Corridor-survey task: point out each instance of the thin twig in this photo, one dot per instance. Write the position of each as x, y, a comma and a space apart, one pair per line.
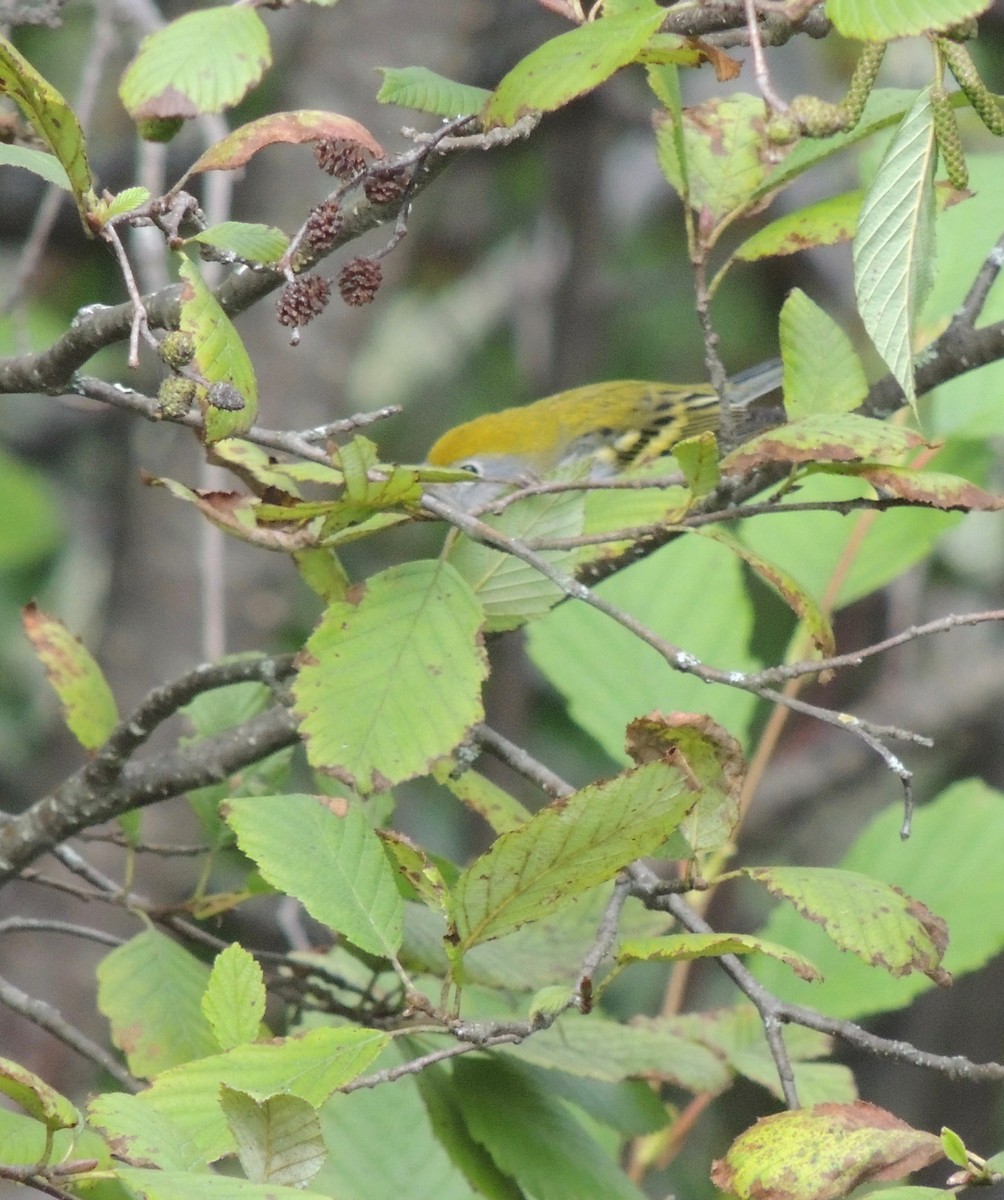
44, 1015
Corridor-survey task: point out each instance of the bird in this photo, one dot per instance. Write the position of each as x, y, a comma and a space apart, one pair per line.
609, 425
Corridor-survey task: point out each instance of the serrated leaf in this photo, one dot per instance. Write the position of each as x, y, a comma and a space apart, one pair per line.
875, 921
824, 223
934, 488
279, 1140
867, 21
311, 1065
567, 848
391, 677
711, 758
220, 355
826, 437
51, 118
150, 989
502, 811
736, 1035
822, 372
684, 946
420, 88
825, 1152
572, 63
190, 1185
234, 999
300, 125
383, 1143
247, 240
442, 1112
345, 881
968, 819
533, 1136
36, 1097
38, 162
202, 62
137, 1133
894, 245
88, 704
595, 1047
724, 144
512, 592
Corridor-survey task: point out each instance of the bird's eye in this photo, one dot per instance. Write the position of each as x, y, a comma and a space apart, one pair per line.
472, 466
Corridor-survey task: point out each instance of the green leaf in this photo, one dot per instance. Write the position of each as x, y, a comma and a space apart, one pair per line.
512, 592
234, 1000
502, 811
697, 458
967, 819
736, 1036
345, 881
36, 1097
878, 922
189, 1185
220, 355
894, 245
38, 162
418, 87
279, 1140
857, 555
824, 223
609, 677
88, 704
362, 1127
802, 604
825, 1152
311, 1065
684, 946
151, 990
954, 1147
822, 372
477, 1165
52, 119
597, 1048
567, 848
392, 676
573, 63
723, 141
870, 22
532, 1136
137, 1132
23, 1140
203, 62
247, 240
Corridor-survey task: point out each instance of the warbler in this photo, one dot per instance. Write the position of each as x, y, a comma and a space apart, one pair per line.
610, 425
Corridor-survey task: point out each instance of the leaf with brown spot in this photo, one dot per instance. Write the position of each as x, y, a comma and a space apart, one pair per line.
935, 489
826, 437
88, 704
300, 125
822, 1153
876, 921
712, 762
